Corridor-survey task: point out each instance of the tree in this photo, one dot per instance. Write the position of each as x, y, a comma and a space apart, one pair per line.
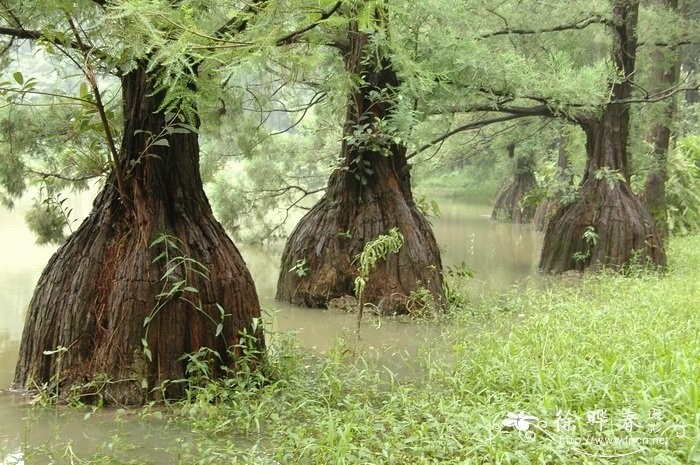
665, 69
150, 275
367, 195
510, 206
607, 225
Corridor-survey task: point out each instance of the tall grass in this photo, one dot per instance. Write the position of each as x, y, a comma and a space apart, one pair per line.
609, 366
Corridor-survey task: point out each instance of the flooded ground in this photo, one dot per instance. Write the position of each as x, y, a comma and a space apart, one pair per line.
500, 254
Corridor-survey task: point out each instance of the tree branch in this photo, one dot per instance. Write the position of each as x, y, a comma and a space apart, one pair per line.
92, 79
467, 127
62, 177
582, 24
656, 97
292, 37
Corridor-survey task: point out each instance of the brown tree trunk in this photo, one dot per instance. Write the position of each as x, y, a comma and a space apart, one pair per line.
97, 291
607, 226
510, 206
368, 195
665, 72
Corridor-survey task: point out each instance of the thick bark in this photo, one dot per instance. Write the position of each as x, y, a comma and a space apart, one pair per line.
665, 72
98, 289
607, 226
368, 195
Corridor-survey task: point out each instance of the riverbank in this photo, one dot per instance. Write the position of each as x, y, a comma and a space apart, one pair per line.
602, 369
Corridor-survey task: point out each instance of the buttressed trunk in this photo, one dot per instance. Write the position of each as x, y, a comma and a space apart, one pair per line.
366, 196
510, 206
607, 226
98, 296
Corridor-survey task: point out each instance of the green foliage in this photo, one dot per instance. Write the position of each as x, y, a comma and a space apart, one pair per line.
50, 215
683, 187
374, 251
609, 176
591, 238
180, 269
301, 268
582, 358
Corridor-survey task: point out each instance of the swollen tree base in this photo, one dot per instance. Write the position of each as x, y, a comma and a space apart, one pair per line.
607, 227
113, 316
319, 258
510, 206
88, 316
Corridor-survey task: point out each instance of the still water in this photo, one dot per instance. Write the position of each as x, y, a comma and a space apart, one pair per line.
500, 254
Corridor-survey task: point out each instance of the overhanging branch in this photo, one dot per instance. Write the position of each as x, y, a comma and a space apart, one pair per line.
467, 127
582, 24
292, 37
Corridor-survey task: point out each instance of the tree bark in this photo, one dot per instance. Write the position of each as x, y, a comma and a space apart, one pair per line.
509, 206
366, 196
607, 226
99, 288
665, 72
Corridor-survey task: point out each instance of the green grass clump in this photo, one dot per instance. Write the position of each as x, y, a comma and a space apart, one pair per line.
609, 365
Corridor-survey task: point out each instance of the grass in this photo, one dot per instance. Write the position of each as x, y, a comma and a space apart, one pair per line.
609, 365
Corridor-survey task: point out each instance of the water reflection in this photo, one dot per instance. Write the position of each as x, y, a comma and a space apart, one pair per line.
501, 254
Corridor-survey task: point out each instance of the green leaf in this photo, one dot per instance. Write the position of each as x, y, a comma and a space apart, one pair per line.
18, 77
219, 329
84, 94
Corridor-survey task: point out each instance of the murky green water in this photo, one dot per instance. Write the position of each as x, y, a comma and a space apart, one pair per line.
500, 254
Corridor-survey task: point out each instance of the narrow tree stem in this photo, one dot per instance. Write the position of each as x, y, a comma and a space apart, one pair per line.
99, 104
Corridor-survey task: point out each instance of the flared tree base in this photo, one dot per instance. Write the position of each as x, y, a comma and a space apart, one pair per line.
510, 206
606, 227
319, 259
97, 327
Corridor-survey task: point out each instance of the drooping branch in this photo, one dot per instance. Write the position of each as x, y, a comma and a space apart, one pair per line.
62, 177
21, 33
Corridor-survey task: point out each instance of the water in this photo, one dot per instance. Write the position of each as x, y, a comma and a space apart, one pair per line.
500, 254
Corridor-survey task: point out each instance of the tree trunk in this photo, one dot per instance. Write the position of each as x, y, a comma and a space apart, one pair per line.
607, 226
368, 195
510, 206
102, 285
665, 72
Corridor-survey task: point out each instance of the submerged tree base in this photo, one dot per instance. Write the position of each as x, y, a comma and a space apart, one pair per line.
510, 206
606, 227
319, 259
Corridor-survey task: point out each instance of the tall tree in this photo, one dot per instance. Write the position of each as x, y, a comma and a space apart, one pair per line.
368, 194
665, 70
607, 225
111, 312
